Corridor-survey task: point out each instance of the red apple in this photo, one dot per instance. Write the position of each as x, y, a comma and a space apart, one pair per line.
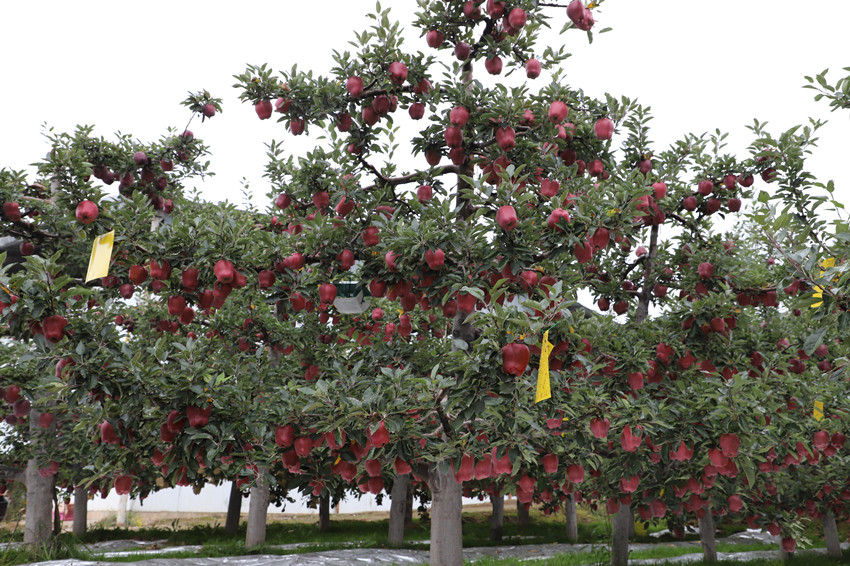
453, 136
327, 293
705, 187
224, 271
459, 116
494, 65
371, 236
424, 193
506, 218
549, 188
54, 327
515, 358
435, 38
263, 108
557, 218
603, 129
517, 18
435, 259
462, 50
689, 203
558, 112
86, 211
354, 86
533, 68
12, 211
416, 110
506, 138
123, 484
398, 72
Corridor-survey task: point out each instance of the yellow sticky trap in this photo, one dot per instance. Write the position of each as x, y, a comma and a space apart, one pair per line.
818, 294
818, 412
543, 391
101, 254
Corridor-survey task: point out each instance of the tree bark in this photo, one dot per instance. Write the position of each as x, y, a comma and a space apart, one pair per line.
830, 535
408, 506
258, 508
121, 516
81, 506
620, 536
324, 512
234, 510
446, 527
398, 510
707, 532
38, 530
497, 517
522, 519
57, 520
571, 519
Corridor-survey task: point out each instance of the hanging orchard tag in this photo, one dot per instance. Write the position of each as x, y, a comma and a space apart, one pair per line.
543, 391
101, 254
818, 412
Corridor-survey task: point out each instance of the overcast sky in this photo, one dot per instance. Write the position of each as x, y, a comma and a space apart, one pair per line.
125, 66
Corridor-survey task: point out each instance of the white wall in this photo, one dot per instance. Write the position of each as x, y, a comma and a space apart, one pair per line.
214, 499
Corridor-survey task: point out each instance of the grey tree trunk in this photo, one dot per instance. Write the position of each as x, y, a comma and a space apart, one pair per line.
620, 536
81, 506
408, 506
707, 532
830, 535
398, 510
571, 519
234, 510
522, 519
785, 556
57, 520
258, 508
497, 518
446, 528
38, 530
324, 512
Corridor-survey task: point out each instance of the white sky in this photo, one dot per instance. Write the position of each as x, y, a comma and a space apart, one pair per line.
125, 66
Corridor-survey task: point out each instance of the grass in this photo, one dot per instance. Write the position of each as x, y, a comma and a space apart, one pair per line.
366, 533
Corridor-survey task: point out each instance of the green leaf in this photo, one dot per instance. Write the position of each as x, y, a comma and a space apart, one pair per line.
814, 340
460, 344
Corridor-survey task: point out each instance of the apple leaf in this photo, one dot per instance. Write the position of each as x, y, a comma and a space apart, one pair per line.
814, 340
460, 344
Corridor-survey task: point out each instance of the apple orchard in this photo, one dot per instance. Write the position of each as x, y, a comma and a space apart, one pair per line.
231, 345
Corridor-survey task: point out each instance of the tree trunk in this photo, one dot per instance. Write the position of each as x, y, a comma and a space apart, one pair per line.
497, 518
620, 536
81, 506
408, 506
522, 519
785, 556
121, 516
830, 535
446, 528
57, 519
324, 512
707, 532
571, 519
39, 523
258, 508
398, 510
234, 510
